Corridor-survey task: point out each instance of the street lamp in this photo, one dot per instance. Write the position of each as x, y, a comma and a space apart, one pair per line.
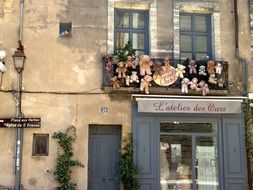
19, 58
19, 62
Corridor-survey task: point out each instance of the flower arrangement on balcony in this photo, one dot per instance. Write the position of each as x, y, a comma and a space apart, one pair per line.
125, 69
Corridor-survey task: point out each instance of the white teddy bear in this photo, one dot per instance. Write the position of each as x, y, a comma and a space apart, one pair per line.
194, 84
212, 79
180, 70
134, 77
184, 85
218, 68
202, 70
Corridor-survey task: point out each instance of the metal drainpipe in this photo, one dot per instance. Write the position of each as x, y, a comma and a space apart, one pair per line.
19, 131
237, 51
21, 18
245, 70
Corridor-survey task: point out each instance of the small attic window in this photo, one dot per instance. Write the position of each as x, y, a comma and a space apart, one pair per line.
65, 29
40, 144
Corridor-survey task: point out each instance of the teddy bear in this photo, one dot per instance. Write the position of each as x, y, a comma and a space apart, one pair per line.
184, 85
202, 70
121, 70
192, 66
134, 77
145, 83
212, 79
127, 80
166, 68
157, 68
218, 68
115, 82
129, 63
145, 65
135, 61
210, 66
166, 61
180, 70
194, 84
108, 59
220, 82
204, 87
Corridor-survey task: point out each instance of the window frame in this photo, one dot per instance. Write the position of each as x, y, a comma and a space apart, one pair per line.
195, 34
34, 149
65, 29
130, 30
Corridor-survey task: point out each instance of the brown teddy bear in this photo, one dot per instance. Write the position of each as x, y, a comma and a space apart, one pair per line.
158, 70
121, 70
145, 64
115, 82
210, 67
145, 83
129, 63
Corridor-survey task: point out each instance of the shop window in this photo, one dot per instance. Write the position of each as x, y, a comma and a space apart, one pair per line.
195, 36
131, 25
40, 144
65, 29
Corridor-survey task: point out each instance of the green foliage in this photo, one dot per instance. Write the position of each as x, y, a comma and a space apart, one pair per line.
64, 164
127, 170
248, 133
249, 125
123, 53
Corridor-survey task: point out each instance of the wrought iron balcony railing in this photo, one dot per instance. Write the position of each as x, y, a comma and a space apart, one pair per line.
165, 76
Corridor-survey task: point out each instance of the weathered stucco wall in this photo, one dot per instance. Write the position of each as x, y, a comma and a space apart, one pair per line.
65, 70
58, 113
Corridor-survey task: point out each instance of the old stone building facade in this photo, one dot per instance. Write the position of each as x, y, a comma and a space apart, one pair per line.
66, 82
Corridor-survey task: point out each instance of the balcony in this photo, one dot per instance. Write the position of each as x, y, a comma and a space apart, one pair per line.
165, 76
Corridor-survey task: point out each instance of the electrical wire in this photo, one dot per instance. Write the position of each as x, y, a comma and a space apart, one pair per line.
89, 92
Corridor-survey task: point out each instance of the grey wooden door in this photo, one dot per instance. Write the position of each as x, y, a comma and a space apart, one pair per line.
104, 149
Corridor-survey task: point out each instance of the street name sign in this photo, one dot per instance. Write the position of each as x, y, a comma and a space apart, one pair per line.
20, 122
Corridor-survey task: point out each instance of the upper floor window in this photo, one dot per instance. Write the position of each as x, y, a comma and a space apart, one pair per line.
195, 36
131, 25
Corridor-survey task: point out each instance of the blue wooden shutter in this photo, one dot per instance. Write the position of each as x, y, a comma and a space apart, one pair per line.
234, 154
144, 149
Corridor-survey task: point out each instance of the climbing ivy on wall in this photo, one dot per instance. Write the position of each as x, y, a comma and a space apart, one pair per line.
249, 115
65, 160
248, 135
127, 170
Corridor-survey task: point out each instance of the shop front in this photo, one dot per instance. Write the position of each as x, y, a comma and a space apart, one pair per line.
190, 143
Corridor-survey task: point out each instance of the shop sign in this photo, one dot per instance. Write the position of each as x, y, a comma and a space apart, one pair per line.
20, 122
211, 106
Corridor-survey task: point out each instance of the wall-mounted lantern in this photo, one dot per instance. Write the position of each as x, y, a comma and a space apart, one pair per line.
19, 58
